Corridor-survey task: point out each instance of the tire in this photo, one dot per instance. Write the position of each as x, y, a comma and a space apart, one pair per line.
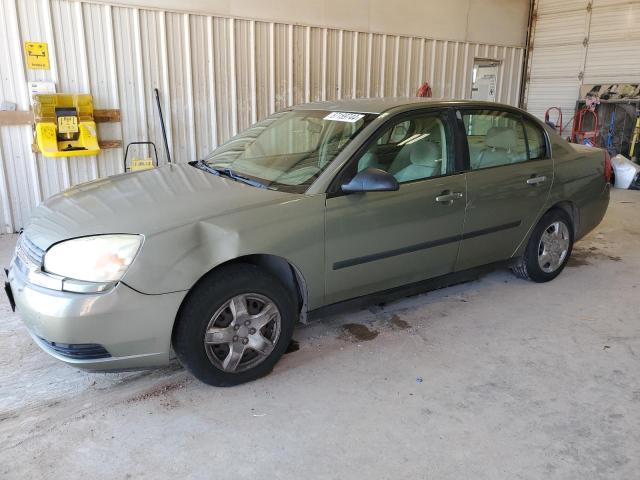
214, 336
534, 264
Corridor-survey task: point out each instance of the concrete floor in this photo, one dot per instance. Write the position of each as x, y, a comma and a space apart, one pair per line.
495, 379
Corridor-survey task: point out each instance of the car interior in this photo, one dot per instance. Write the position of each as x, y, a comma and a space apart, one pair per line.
410, 150
289, 149
494, 139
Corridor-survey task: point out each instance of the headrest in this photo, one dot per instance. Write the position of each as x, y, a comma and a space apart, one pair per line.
425, 153
501, 137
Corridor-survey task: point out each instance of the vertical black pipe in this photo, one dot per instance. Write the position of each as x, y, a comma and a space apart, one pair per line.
164, 131
527, 52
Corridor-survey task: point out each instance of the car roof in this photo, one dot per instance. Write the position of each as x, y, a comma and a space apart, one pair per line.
380, 105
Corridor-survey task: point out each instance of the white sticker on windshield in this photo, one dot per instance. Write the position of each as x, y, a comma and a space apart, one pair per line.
344, 117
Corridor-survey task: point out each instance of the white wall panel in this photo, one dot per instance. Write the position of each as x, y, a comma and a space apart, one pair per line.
614, 43
155, 74
203, 81
73, 72
103, 80
216, 76
181, 110
130, 73
615, 21
545, 7
560, 29
604, 63
19, 179
458, 20
579, 42
544, 93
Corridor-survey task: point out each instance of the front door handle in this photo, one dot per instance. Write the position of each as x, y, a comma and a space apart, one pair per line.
448, 197
536, 180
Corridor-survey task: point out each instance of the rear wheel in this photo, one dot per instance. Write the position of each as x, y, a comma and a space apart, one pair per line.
235, 326
549, 248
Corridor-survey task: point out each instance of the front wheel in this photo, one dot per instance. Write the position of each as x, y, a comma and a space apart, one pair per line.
549, 248
234, 326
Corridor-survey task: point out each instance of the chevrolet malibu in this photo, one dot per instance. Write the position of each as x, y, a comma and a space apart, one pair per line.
323, 205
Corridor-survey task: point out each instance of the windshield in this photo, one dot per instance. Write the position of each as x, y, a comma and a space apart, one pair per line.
288, 150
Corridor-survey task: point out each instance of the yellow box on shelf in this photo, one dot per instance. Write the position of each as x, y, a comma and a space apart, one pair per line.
65, 125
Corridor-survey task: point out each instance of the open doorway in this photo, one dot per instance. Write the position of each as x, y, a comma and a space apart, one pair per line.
484, 82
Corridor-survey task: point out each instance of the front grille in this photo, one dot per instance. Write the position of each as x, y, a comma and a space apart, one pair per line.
30, 250
78, 351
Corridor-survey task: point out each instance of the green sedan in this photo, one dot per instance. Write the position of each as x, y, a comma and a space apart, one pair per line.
323, 206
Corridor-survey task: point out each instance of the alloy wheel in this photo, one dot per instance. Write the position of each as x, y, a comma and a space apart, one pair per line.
553, 247
243, 332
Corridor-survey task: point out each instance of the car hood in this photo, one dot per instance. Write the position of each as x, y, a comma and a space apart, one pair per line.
144, 202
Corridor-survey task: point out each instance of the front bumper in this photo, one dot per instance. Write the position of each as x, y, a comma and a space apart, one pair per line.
134, 328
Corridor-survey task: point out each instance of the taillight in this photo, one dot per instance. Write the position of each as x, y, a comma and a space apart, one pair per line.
608, 167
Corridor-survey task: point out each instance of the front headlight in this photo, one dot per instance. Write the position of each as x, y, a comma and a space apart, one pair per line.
100, 259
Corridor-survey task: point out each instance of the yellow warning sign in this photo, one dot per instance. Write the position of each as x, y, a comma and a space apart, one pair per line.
37, 54
138, 164
68, 124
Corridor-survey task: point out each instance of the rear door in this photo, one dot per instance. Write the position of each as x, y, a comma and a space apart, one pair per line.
381, 240
509, 178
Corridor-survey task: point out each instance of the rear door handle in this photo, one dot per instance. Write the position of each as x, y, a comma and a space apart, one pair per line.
448, 197
536, 180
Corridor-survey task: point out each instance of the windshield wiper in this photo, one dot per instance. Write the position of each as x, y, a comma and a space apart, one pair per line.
227, 172
202, 165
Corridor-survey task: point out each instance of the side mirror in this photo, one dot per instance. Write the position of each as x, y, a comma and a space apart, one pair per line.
371, 180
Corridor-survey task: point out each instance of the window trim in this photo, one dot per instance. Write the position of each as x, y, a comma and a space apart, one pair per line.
448, 117
546, 156
461, 110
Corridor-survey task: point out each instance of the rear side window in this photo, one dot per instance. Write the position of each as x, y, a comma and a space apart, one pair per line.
536, 140
495, 138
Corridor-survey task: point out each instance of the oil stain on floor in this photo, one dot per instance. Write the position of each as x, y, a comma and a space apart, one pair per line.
398, 322
159, 391
357, 332
580, 257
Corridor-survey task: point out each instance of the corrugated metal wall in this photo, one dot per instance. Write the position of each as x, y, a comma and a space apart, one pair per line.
216, 76
578, 42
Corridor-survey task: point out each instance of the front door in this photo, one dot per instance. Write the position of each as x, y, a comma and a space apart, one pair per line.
508, 183
381, 240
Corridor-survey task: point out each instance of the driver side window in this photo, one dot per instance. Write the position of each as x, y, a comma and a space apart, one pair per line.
412, 149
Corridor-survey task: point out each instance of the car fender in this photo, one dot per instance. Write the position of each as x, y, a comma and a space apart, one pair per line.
578, 188
174, 260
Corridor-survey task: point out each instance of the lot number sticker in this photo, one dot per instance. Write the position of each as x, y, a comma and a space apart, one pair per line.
344, 117
138, 164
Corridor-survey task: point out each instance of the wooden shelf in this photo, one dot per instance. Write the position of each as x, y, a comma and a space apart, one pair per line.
25, 117
16, 118
22, 117
106, 144
107, 116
